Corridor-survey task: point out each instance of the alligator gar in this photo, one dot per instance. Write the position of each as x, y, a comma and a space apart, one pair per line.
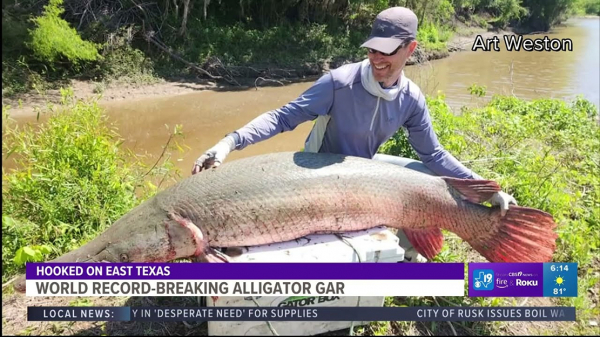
285, 196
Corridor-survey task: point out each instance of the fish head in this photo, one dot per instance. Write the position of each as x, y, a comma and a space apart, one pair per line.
144, 238
142, 235
139, 247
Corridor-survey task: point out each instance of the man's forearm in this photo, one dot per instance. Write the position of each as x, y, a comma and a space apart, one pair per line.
270, 124
445, 164
312, 103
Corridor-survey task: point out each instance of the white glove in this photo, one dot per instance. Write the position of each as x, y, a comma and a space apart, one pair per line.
502, 199
214, 156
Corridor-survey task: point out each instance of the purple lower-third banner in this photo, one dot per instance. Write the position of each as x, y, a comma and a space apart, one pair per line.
245, 279
246, 271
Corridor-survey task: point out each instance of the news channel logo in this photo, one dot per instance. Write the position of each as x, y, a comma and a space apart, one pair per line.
523, 279
506, 279
483, 279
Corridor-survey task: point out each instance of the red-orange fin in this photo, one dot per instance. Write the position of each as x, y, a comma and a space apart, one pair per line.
428, 242
523, 235
473, 190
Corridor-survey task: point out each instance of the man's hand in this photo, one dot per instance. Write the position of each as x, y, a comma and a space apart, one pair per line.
214, 156
502, 199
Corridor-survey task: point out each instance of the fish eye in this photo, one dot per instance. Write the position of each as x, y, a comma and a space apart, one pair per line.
124, 257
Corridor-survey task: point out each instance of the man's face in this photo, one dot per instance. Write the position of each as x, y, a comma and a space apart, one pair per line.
387, 69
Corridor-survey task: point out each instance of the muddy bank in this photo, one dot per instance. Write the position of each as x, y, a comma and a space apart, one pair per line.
26, 104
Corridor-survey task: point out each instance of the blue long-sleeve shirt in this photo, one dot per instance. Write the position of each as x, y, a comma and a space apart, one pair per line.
351, 121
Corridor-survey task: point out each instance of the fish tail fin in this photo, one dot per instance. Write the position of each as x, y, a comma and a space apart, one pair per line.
474, 190
522, 235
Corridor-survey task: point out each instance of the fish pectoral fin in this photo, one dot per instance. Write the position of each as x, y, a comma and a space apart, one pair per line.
473, 190
427, 242
211, 255
234, 251
185, 233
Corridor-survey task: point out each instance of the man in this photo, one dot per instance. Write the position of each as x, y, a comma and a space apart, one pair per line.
358, 107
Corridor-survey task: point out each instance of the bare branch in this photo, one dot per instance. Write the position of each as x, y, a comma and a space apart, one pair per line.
148, 36
266, 80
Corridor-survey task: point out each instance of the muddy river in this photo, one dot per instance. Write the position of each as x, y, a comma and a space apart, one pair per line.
207, 116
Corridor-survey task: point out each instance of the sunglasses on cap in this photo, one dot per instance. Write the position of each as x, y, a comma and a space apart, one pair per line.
373, 51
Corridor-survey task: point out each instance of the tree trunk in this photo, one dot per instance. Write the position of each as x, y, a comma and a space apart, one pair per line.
423, 12
186, 7
206, 2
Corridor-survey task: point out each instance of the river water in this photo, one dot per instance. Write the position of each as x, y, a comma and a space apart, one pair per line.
207, 116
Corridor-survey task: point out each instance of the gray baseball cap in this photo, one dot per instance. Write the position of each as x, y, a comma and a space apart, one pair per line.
392, 27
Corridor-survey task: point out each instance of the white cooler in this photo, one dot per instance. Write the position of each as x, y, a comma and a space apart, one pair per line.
373, 245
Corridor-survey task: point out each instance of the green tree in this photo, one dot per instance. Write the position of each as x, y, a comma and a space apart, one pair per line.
546, 13
54, 39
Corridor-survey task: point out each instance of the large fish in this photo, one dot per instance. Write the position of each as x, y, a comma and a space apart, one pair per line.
284, 196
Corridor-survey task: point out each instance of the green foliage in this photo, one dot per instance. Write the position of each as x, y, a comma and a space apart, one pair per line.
442, 11
126, 61
398, 145
17, 77
17, 74
477, 90
14, 35
586, 7
54, 39
316, 35
546, 153
508, 10
502, 11
71, 180
242, 45
592, 7
31, 254
433, 37
544, 14
19, 245
123, 61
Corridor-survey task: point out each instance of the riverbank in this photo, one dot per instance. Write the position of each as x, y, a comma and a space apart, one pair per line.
569, 195
129, 89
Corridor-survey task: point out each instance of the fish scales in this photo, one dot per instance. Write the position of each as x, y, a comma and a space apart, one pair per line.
285, 196
281, 197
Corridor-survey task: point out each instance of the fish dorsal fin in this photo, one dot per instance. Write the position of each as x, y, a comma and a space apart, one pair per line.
428, 242
474, 190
